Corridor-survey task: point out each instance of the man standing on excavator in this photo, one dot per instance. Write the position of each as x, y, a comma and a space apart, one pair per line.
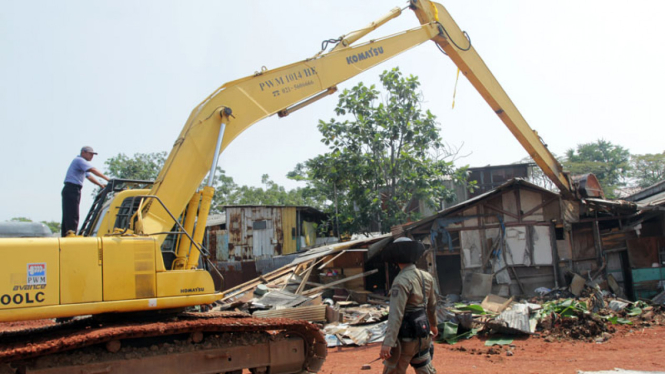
412, 318
71, 193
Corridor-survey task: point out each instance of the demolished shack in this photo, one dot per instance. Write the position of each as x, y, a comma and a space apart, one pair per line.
518, 238
515, 240
574, 261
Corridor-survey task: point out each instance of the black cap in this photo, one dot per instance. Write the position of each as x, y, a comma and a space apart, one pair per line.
403, 251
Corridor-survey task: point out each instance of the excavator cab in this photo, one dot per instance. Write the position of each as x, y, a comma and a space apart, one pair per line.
101, 205
108, 267
114, 210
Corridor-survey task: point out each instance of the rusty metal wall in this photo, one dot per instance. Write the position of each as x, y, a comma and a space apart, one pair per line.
218, 243
254, 232
262, 237
236, 272
239, 272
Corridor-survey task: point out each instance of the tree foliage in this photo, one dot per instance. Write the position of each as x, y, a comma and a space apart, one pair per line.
537, 176
146, 166
229, 193
609, 162
647, 169
52, 225
384, 155
142, 166
20, 219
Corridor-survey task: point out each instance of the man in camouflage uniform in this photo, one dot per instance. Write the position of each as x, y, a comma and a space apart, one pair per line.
407, 295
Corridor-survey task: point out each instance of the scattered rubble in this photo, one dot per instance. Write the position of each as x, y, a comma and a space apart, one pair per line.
351, 315
554, 315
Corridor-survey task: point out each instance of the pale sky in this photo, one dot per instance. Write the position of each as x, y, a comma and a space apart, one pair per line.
122, 76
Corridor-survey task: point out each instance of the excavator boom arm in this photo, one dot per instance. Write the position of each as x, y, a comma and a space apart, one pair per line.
253, 98
456, 44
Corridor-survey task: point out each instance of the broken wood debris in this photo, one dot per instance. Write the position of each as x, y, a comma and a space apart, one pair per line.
343, 280
295, 291
313, 313
322, 288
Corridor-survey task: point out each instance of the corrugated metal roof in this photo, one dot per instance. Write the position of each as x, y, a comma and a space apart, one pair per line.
331, 248
653, 200
362, 335
302, 208
501, 166
476, 200
617, 204
514, 321
216, 220
647, 192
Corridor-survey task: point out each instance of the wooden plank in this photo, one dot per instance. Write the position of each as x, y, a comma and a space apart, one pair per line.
332, 259
277, 281
344, 280
356, 284
301, 287
242, 288
314, 264
295, 272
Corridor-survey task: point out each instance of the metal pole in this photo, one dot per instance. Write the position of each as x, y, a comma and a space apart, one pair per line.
215, 157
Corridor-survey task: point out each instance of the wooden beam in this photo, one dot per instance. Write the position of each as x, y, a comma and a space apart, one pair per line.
502, 211
343, 280
332, 259
295, 271
314, 264
242, 288
301, 287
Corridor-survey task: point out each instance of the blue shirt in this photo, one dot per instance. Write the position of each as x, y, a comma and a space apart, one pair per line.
78, 170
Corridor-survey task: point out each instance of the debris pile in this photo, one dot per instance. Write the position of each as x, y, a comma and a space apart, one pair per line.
555, 315
348, 314
317, 290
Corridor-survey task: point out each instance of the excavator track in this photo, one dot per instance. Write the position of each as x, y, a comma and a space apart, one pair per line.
213, 342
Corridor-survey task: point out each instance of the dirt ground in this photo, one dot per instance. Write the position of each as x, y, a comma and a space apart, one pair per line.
630, 348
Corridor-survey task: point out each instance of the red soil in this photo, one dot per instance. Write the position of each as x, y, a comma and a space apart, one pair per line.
629, 348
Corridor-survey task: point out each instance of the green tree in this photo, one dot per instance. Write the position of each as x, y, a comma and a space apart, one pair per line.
270, 194
52, 225
609, 162
142, 166
225, 191
647, 169
146, 166
384, 156
20, 219
537, 176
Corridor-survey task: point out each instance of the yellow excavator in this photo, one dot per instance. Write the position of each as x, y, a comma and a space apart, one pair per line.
138, 261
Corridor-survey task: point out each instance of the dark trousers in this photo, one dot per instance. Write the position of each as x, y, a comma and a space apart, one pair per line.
71, 198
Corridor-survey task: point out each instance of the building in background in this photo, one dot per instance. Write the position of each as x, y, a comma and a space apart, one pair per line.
519, 237
249, 240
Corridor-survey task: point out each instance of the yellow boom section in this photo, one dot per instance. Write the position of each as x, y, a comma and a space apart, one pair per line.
454, 42
274, 91
252, 99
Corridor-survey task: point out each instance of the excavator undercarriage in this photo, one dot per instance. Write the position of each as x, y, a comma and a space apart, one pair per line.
211, 342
